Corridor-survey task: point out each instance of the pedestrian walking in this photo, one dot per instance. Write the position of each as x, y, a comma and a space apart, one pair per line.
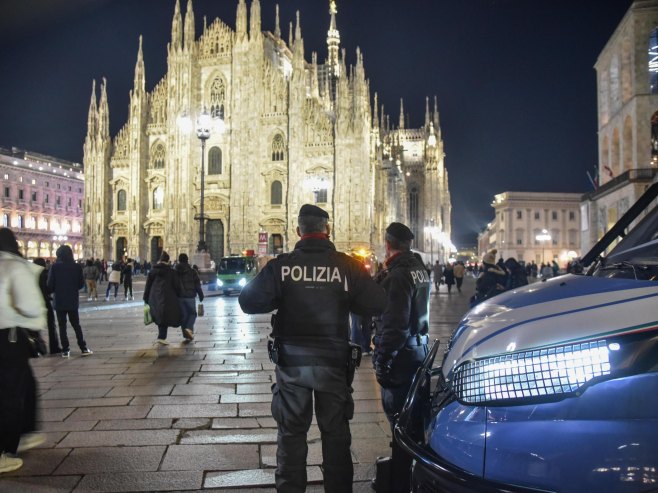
161, 293
438, 274
53, 338
458, 271
190, 286
21, 308
65, 280
127, 280
90, 272
400, 339
449, 276
491, 280
103, 271
113, 280
314, 288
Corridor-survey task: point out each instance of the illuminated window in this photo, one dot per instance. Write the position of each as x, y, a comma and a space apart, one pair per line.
653, 61
121, 200
158, 198
5, 220
217, 98
215, 161
276, 193
278, 148
20, 222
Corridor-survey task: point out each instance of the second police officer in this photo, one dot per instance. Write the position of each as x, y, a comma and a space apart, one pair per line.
314, 288
400, 339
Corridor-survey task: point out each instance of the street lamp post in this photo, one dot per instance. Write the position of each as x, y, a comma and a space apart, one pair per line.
203, 123
543, 237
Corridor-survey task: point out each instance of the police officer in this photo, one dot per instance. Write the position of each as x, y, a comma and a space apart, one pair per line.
401, 337
314, 288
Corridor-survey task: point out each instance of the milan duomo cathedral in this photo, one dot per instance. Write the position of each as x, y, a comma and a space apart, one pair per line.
294, 132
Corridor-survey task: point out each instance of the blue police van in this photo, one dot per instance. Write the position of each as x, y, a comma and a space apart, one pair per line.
550, 387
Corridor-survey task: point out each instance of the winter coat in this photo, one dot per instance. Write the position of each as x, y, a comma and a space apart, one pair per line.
115, 274
127, 273
449, 276
90, 272
21, 303
458, 270
189, 281
161, 293
65, 280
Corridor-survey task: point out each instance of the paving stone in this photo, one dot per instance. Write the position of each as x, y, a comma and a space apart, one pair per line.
194, 411
210, 457
367, 430
124, 438
174, 400
266, 422
367, 406
55, 414
38, 462
255, 409
141, 481
134, 424
108, 459
192, 423
260, 435
47, 426
103, 401
255, 477
229, 423
74, 393
251, 388
228, 378
234, 366
111, 412
195, 389
129, 390
313, 458
38, 484
232, 398
366, 450
159, 381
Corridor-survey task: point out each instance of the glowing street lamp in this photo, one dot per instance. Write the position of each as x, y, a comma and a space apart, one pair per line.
543, 238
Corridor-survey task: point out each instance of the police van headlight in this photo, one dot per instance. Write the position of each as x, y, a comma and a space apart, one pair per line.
554, 372
242, 282
219, 283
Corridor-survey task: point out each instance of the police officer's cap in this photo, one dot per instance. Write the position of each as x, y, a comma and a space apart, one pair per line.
313, 210
400, 232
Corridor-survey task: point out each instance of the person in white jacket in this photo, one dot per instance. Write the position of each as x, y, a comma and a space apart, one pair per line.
21, 306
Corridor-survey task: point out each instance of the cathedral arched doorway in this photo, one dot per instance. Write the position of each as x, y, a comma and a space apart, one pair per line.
156, 248
121, 248
215, 238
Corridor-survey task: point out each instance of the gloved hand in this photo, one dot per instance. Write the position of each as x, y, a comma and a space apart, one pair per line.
383, 374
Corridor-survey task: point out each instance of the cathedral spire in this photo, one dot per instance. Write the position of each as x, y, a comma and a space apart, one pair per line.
189, 27
176, 31
290, 38
103, 113
375, 118
436, 113
401, 114
139, 70
427, 112
254, 20
92, 118
241, 19
298, 49
333, 41
277, 25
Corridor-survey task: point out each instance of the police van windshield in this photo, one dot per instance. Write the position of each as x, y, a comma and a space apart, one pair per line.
235, 265
641, 243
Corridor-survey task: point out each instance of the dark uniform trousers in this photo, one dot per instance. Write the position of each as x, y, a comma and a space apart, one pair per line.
405, 365
292, 408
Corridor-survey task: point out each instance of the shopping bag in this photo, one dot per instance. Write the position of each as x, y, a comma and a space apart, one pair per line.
147, 315
200, 311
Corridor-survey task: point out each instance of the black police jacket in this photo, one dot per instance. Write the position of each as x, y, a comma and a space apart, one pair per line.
314, 288
407, 286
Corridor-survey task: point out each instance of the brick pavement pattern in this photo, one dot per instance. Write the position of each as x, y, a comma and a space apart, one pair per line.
184, 417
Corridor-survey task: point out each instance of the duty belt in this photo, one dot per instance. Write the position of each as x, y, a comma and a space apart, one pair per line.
418, 340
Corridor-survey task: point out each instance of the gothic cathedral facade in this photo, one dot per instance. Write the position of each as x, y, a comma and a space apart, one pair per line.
294, 132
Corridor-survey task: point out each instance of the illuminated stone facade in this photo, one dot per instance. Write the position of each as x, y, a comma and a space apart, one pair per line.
294, 132
41, 202
627, 83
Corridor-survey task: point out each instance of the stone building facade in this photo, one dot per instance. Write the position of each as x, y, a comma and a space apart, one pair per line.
522, 216
41, 202
627, 85
294, 131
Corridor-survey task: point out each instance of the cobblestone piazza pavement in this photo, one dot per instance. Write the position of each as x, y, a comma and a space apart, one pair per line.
183, 417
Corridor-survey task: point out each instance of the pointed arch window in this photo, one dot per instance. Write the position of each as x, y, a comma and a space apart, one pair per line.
217, 98
215, 161
278, 148
158, 198
276, 193
158, 157
121, 200
653, 61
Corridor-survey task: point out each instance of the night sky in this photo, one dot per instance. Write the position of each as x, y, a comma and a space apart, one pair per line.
514, 78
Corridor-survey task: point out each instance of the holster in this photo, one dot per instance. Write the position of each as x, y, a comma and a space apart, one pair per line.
353, 362
382, 482
273, 351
